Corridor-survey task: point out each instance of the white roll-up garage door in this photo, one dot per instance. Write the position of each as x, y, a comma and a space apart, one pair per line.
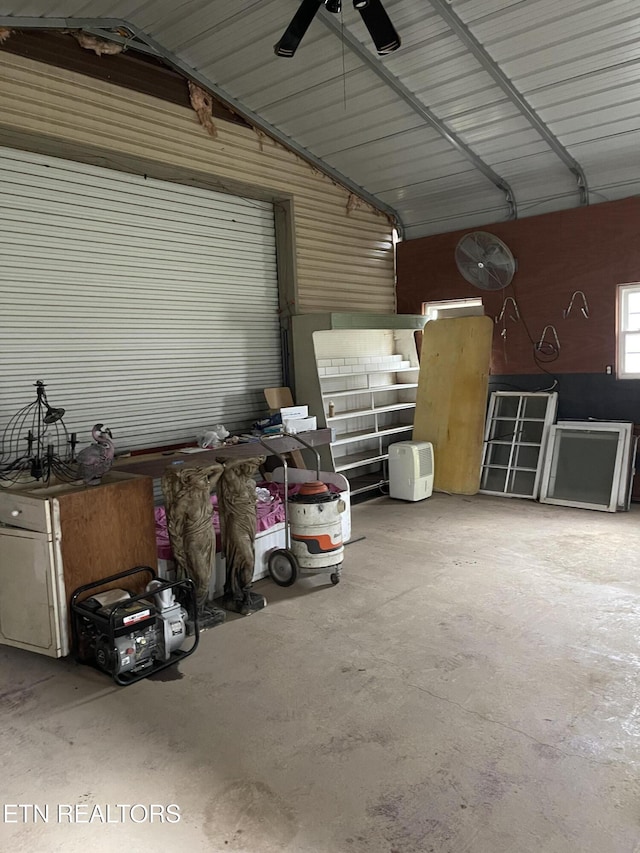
149, 306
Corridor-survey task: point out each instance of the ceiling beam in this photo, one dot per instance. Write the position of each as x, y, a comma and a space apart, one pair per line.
515, 96
406, 95
101, 25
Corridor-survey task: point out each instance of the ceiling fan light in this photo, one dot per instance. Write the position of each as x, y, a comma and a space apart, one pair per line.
298, 26
360, 4
388, 48
380, 28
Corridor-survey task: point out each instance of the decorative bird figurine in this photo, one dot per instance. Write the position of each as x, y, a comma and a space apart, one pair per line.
96, 459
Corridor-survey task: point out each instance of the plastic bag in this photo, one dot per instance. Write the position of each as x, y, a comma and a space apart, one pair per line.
212, 437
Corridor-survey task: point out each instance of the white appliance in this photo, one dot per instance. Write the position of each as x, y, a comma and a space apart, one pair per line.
410, 470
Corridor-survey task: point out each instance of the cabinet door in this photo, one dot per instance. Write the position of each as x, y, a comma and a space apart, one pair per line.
28, 606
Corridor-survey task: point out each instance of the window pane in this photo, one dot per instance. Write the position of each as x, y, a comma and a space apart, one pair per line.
583, 466
633, 321
502, 430
631, 353
493, 479
632, 363
531, 432
632, 343
527, 457
499, 454
535, 407
633, 301
522, 482
507, 407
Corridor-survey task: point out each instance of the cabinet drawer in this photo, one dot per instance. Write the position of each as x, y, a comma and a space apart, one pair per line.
21, 511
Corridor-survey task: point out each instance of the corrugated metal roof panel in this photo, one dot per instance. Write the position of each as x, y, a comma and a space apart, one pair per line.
577, 63
370, 126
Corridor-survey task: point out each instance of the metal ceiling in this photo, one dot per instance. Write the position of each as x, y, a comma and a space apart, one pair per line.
490, 109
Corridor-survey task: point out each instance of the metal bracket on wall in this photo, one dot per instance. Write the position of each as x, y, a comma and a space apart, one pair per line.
546, 346
509, 299
584, 308
502, 318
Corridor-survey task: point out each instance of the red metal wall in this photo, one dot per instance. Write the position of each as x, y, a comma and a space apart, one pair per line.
591, 249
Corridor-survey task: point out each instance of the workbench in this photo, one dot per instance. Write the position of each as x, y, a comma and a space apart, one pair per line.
154, 464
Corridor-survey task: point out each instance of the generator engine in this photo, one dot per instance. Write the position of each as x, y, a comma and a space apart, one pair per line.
130, 636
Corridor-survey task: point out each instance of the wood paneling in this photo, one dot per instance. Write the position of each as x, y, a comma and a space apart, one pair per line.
452, 398
591, 249
107, 529
136, 71
340, 258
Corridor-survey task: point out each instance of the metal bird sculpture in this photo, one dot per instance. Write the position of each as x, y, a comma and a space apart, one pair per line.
96, 459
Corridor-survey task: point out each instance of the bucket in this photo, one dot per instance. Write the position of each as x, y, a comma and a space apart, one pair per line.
316, 527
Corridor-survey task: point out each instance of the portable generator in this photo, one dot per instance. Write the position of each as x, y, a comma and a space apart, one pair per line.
132, 636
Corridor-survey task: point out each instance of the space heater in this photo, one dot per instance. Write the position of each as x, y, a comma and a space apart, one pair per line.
410, 470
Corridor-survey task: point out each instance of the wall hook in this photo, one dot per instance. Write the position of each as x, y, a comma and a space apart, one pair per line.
584, 308
504, 308
543, 343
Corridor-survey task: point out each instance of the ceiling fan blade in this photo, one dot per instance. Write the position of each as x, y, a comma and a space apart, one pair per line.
382, 31
300, 23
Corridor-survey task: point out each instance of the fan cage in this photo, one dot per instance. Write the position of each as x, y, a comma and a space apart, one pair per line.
485, 261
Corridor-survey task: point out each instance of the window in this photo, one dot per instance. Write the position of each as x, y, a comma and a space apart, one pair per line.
629, 331
455, 308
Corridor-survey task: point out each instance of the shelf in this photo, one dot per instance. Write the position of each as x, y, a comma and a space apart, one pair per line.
377, 389
362, 434
369, 372
373, 371
358, 460
359, 413
366, 483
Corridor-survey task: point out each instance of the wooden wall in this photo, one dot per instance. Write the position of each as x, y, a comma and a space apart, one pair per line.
591, 249
339, 250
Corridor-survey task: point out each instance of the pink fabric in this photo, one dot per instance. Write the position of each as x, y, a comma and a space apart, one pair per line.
162, 535
267, 515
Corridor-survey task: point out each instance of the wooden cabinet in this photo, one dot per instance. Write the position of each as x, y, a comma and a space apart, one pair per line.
55, 538
358, 374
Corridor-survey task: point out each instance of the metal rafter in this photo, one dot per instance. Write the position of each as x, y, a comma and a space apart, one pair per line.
418, 107
493, 69
100, 26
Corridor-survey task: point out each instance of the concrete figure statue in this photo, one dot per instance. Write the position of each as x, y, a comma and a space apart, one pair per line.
237, 505
187, 496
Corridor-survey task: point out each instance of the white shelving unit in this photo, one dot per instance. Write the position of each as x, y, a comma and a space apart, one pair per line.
371, 376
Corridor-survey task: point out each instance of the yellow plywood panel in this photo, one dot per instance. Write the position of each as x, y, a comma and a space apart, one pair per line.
452, 399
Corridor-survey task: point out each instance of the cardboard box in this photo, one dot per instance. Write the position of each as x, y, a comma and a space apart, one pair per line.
294, 425
294, 412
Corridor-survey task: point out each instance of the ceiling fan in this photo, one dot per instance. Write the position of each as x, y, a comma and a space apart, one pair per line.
374, 17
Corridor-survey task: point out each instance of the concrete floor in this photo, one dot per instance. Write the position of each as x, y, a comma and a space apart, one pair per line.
470, 687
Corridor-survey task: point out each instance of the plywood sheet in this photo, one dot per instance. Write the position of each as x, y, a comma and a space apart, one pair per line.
107, 529
452, 399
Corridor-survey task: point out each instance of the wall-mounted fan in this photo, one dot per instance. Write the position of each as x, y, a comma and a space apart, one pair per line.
485, 261
374, 17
